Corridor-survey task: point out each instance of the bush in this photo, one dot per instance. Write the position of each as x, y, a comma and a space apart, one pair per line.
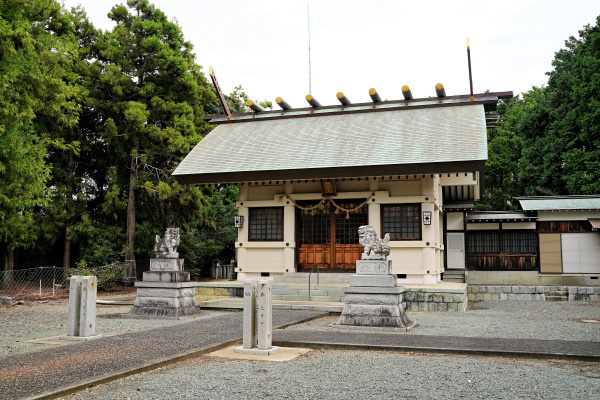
107, 275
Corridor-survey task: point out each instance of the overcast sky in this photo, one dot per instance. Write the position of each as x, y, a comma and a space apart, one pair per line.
357, 45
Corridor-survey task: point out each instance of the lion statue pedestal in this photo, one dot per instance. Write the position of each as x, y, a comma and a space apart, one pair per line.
373, 298
166, 290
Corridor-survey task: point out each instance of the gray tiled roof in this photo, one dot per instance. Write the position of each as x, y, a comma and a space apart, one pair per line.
499, 216
560, 203
419, 136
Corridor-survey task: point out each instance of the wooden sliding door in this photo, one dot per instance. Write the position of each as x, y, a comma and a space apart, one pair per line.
329, 237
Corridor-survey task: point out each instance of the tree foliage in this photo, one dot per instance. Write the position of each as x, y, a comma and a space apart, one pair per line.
92, 124
548, 142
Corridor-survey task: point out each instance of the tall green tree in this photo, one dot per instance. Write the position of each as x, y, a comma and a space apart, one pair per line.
68, 141
561, 129
504, 152
151, 99
33, 48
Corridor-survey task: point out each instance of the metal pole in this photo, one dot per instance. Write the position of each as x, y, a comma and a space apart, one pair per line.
470, 75
309, 66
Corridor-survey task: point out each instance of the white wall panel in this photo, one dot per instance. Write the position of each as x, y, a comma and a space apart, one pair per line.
581, 253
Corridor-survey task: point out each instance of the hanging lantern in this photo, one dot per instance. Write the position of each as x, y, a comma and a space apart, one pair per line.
238, 221
426, 217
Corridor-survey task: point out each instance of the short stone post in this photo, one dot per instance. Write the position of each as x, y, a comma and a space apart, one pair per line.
265, 315
258, 321
250, 337
81, 323
74, 305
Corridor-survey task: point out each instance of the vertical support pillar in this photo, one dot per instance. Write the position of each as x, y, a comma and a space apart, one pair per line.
74, 305
265, 314
289, 233
250, 311
87, 313
374, 210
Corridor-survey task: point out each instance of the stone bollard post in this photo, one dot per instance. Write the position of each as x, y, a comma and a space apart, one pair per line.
258, 321
250, 338
265, 315
74, 302
82, 308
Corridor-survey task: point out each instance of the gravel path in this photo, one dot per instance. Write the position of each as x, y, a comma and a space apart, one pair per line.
35, 372
335, 374
18, 324
502, 319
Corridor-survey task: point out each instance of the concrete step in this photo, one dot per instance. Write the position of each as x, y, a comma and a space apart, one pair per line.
458, 280
302, 291
454, 276
302, 277
305, 298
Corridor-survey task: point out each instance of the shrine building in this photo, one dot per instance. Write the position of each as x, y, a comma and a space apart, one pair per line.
309, 177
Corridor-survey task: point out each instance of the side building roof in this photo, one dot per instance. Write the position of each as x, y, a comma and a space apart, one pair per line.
557, 203
336, 142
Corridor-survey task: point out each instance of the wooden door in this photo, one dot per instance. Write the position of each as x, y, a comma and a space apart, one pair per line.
329, 237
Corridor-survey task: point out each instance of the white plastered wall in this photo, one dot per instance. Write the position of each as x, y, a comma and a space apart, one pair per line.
421, 261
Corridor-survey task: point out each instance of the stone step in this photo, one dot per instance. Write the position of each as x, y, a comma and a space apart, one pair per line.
557, 298
556, 293
303, 291
454, 276
459, 280
296, 292
302, 277
305, 298
454, 272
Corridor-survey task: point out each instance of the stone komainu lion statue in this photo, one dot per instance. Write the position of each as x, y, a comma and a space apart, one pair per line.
368, 238
166, 247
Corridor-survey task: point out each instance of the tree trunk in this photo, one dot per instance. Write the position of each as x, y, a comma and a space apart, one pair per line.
67, 246
131, 209
67, 252
9, 268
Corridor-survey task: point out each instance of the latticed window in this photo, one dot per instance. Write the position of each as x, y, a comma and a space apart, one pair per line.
402, 221
346, 225
519, 242
483, 242
315, 225
266, 224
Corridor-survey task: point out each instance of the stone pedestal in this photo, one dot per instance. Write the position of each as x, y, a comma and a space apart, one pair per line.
165, 292
373, 299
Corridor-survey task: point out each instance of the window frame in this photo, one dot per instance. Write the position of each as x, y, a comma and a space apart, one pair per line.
279, 221
402, 205
501, 242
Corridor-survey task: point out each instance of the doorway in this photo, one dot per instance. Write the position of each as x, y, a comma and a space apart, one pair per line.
328, 236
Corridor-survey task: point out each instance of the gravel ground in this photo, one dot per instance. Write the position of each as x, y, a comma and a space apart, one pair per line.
18, 324
346, 374
32, 373
502, 319
336, 374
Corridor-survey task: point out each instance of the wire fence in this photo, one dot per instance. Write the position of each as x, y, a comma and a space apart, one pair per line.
48, 282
